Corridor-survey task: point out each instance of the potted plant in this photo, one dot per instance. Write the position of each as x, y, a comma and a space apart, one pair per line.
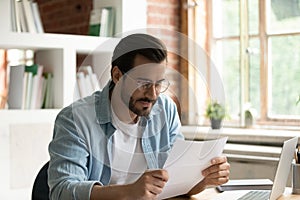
249, 114
216, 112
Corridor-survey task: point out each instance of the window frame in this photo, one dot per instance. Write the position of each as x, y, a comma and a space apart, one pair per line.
284, 122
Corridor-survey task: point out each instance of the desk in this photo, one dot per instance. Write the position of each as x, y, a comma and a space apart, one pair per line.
211, 193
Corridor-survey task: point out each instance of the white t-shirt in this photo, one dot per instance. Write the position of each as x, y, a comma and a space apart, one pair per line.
128, 161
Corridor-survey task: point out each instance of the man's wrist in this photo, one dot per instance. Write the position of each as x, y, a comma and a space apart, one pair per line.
120, 192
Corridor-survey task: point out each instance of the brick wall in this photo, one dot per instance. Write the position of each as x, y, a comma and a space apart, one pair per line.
65, 16
165, 15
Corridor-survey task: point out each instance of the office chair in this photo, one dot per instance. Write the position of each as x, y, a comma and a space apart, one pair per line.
40, 190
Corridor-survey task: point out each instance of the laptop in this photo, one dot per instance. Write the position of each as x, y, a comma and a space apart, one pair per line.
281, 176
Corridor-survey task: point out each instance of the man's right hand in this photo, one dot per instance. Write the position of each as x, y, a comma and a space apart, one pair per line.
149, 185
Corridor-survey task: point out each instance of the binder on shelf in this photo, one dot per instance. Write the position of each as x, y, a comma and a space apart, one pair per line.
15, 87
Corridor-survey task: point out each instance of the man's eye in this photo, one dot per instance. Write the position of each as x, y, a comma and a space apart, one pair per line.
147, 85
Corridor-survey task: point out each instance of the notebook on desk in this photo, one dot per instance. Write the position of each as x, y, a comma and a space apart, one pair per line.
281, 176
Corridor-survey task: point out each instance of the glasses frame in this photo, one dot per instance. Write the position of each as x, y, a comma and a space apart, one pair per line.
145, 84
160, 85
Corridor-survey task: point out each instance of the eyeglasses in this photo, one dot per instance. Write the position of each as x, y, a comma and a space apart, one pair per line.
160, 86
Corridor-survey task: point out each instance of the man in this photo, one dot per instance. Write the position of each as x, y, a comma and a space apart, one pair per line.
113, 144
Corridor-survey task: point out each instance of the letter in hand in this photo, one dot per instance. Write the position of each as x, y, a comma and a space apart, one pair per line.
149, 185
216, 174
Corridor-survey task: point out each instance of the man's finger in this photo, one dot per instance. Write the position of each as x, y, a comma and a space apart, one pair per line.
217, 160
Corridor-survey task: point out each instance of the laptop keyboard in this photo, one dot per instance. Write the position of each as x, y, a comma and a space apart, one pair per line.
256, 195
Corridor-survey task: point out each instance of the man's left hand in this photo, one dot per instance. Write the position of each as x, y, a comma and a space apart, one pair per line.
216, 174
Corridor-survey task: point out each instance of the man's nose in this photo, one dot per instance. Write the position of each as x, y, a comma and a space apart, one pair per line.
151, 92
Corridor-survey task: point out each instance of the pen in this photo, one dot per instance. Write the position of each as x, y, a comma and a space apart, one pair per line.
298, 155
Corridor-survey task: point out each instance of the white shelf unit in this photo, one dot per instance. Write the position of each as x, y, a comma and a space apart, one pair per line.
131, 15
25, 134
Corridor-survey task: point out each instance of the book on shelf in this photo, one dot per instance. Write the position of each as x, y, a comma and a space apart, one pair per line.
25, 16
21, 17
27, 92
29, 88
87, 82
102, 22
95, 22
14, 27
37, 17
29, 16
107, 22
3, 78
37, 85
48, 100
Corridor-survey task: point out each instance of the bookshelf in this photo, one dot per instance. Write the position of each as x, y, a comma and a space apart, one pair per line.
25, 134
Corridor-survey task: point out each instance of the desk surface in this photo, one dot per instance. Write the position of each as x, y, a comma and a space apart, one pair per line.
211, 193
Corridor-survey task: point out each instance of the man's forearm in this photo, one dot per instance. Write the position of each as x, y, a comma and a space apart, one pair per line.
110, 192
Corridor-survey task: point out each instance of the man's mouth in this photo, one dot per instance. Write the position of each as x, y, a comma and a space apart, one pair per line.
146, 102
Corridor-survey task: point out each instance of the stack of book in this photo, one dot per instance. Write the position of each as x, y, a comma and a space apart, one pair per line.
29, 87
102, 22
25, 17
87, 82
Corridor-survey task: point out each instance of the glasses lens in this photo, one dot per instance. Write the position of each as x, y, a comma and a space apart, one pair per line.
164, 84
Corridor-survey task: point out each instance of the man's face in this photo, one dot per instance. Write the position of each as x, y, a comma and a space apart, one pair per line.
139, 91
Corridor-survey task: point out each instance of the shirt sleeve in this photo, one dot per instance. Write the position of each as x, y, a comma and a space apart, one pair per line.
68, 172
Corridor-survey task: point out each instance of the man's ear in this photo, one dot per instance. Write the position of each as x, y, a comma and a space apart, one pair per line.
116, 74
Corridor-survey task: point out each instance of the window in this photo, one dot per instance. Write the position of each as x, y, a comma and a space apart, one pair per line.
255, 46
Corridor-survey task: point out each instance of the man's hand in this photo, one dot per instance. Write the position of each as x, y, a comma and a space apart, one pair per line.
216, 174
150, 184
147, 187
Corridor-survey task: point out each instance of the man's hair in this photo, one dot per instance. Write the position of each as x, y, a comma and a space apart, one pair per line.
143, 44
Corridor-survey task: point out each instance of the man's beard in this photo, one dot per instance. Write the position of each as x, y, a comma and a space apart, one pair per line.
145, 111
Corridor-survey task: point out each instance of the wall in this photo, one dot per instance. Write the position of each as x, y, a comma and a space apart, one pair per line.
72, 17
65, 16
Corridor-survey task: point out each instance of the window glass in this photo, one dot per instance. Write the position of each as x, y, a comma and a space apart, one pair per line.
225, 18
254, 76
230, 73
285, 75
253, 16
283, 16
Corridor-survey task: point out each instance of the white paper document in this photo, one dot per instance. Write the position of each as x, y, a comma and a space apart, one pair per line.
186, 161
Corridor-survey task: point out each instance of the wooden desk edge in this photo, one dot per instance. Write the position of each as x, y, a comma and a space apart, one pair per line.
212, 193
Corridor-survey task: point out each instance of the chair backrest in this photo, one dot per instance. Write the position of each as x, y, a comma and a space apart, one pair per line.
40, 190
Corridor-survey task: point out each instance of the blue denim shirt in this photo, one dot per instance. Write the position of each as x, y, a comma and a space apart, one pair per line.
81, 147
